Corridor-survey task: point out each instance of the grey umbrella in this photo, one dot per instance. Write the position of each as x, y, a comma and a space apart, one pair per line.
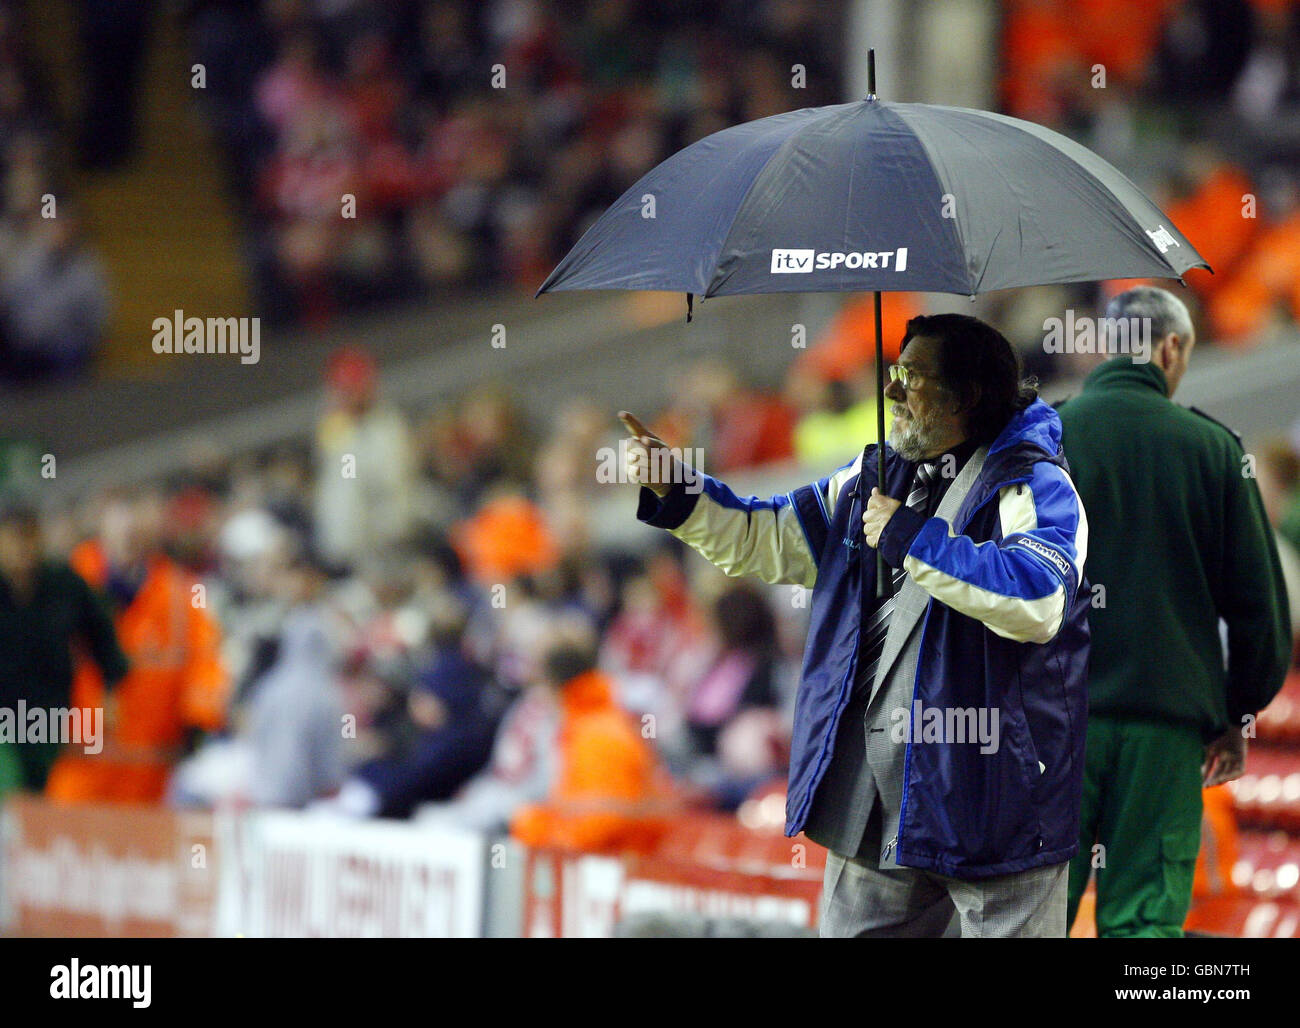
876, 196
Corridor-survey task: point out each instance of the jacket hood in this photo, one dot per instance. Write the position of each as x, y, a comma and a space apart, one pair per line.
1037, 425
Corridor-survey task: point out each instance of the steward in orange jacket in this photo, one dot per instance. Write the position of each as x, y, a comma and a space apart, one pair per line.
609, 793
176, 683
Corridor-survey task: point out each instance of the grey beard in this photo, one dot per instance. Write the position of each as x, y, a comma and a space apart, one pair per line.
915, 442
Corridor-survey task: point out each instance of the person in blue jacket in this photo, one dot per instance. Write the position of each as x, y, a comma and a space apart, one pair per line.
938, 736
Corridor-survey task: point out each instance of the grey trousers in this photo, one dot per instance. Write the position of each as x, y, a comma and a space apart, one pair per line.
860, 900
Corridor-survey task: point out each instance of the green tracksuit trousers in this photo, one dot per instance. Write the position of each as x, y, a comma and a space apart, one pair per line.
1140, 827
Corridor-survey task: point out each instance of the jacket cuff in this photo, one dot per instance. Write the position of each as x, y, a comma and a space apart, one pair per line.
896, 539
668, 512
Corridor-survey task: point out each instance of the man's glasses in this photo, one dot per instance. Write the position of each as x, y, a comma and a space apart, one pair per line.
906, 377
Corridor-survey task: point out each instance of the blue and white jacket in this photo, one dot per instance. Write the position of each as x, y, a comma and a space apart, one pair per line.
1005, 630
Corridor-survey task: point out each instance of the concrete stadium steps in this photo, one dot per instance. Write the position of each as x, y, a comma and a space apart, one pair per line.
162, 224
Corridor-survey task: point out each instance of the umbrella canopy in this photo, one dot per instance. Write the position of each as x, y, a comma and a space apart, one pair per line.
876, 196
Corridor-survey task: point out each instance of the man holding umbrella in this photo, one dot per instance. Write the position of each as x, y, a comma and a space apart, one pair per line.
874, 196
938, 732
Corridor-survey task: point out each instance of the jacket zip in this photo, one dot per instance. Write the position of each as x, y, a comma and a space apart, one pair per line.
851, 673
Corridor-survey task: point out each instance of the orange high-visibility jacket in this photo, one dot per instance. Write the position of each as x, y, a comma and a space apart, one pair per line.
608, 793
1218, 853
176, 681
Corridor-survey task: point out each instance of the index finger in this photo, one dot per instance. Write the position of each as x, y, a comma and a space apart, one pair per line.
633, 425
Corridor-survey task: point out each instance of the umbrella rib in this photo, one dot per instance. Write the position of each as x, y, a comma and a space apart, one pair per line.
900, 112
848, 205
988, 259
714, 282
786, 145
1118, 203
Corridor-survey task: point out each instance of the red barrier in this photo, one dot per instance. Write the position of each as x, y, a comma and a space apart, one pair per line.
707, 866
107, 871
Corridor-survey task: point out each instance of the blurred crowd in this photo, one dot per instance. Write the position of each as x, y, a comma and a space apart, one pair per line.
463, 179
1199, 102
412, 616
387, 150
54, 301
477, 140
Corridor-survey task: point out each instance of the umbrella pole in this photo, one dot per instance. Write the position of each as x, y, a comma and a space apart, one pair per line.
884, 581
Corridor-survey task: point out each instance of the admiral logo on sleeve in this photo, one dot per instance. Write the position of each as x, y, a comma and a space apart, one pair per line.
1063, 566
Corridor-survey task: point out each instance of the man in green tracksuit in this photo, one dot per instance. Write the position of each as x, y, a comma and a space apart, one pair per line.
48, 614
1179, 540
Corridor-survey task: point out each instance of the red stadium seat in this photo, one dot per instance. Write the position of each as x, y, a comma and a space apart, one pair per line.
1268, 794
1279, 722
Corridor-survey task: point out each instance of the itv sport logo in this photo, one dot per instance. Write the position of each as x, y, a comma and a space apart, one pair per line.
803, 262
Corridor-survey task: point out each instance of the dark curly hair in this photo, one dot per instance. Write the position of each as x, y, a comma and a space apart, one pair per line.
979, 368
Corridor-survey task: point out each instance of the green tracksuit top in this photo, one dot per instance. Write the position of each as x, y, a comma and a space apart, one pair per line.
1177, 540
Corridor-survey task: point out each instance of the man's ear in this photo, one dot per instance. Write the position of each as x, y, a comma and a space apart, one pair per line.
1165, 351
